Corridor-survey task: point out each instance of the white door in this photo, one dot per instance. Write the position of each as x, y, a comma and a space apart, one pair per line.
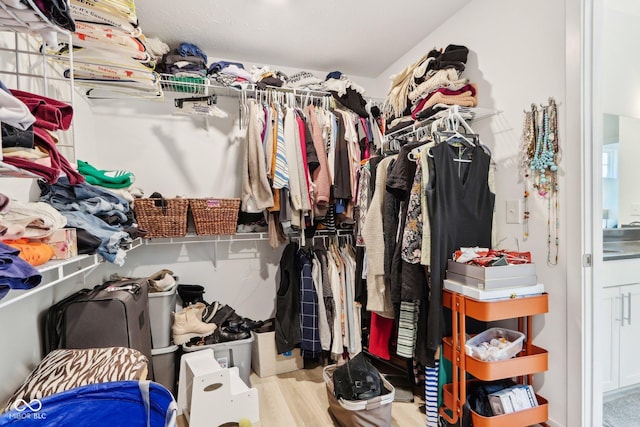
630, 336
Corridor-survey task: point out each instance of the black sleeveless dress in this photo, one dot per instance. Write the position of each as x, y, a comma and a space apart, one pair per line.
460, 207
287, 324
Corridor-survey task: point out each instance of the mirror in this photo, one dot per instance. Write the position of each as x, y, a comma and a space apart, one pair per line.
620, 172
621, 122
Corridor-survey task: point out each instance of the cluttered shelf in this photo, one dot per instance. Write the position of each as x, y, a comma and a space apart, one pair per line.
529, 361
57, 271
25, 68
206, 86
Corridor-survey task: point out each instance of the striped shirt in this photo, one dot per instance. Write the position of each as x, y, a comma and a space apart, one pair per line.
281, 173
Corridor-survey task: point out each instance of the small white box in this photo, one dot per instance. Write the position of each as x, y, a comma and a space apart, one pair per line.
501, 402
266, 361
512, 399
510, 344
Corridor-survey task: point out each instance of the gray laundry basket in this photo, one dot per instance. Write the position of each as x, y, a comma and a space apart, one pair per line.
374, 412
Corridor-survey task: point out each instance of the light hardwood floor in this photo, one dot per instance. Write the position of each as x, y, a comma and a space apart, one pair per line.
299, 399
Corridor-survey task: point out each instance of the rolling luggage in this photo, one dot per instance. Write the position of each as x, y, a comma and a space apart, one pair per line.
115, 314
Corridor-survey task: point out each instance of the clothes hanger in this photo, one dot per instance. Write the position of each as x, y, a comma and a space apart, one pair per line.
454, 123
210, 100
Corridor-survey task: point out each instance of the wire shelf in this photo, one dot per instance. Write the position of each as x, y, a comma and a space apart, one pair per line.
470, 113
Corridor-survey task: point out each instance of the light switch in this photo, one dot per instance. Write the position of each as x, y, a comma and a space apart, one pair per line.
514, 211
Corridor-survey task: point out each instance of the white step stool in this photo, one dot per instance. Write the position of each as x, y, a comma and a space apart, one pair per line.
209, 395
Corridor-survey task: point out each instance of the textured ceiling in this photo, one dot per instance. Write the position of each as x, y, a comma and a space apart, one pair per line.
357, 37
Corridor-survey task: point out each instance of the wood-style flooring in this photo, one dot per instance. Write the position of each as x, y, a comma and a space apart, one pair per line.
299, 399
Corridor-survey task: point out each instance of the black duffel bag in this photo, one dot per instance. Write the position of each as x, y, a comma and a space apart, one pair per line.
357, 379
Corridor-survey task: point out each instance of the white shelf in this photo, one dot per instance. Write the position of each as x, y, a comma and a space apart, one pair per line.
53, 273
207, 86
57, 271
238, 237
194, 238
475, 114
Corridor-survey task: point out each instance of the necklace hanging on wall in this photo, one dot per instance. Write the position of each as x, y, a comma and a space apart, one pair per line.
526, 151
539, 164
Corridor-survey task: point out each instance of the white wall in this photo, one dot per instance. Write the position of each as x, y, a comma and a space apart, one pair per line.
517, 60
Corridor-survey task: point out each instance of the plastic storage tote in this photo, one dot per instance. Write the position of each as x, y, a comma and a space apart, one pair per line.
161, 304
228, 354
495, 344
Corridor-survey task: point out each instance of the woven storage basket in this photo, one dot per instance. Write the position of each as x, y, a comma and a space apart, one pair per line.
162, 217
215, 216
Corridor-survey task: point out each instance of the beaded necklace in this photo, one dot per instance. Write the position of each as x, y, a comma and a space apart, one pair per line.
528, 148
540, 164
553, 226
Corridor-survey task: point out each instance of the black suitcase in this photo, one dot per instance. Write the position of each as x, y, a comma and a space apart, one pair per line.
115, 314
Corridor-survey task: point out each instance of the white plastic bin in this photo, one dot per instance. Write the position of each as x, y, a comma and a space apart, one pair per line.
164, 366
507, 344
161, 304
228, 354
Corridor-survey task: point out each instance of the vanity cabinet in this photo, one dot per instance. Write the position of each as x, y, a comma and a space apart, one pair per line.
619, 325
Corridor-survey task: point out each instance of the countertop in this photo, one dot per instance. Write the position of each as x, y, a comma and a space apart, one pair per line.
621, 243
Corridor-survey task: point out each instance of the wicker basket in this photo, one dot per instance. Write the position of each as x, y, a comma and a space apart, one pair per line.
215, 216
162, 217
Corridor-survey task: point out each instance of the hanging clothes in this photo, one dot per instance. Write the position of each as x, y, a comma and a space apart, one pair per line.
287, 322
378, 296
320, 175
256, 191
323, 318
460, 207
310, 346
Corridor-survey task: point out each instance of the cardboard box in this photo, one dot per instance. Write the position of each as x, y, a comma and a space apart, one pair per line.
495, 277
64, 242
266, 361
